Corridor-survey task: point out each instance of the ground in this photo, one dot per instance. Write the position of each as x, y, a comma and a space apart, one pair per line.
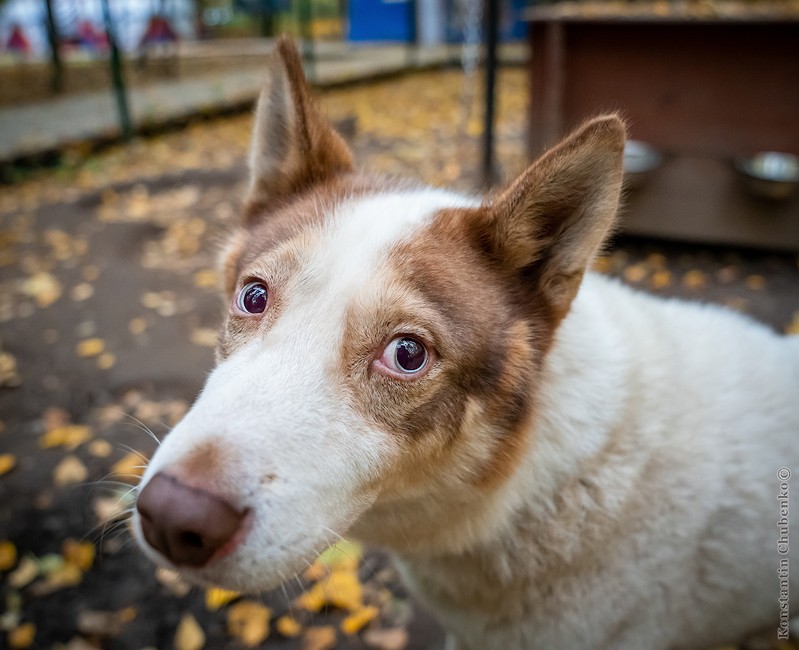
108, 311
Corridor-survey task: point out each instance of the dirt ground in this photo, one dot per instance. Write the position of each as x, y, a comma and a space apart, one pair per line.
108, 311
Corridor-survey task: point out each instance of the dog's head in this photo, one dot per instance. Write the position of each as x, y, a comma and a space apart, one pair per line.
377, 368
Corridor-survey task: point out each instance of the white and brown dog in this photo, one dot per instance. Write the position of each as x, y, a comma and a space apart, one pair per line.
556, 460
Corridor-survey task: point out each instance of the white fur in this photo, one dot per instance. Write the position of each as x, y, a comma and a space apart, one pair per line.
675, 417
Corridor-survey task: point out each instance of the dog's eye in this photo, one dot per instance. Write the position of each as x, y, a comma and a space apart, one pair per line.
252, 298
405, 355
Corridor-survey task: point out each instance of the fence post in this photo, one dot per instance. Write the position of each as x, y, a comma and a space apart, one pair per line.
117, 78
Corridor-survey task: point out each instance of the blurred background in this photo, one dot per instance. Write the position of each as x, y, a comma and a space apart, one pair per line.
124, 126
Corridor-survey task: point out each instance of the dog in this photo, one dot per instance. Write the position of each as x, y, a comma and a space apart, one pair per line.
556, 460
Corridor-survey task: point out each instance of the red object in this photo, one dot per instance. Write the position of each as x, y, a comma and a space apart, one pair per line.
17, 41
158, 31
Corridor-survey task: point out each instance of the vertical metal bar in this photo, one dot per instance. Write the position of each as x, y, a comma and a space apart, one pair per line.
117, 78
490, 28
57, 79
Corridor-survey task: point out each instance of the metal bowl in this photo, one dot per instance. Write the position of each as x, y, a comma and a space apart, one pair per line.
640, 160
770, 174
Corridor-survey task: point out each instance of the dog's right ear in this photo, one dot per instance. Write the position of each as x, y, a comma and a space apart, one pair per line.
293, 146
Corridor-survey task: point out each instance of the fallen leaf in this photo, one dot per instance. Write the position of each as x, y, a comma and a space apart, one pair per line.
694, 279
661, 279
43, 287
69, 471
90, 347
216, 597
81, 554
248, 622
319, 638
24, 574
7, 463
130, 468
395, 638
173, 581
755, 282
356, 621
205, 279
70, 436
8, 555
108, 509
288, 626
344, 554
137, 326
793, 327
9, 376
106, 624
635, 273
189, 635
22, 636
106, 360
204, 337
81, 292
64, 575
341, 589
100, 448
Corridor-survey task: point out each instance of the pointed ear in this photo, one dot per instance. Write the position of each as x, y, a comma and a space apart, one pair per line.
549, 224
293, 145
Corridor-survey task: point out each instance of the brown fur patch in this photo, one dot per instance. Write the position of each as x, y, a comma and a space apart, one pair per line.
294, 146
200, 467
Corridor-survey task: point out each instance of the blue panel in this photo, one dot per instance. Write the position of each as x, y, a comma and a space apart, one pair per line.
378, 20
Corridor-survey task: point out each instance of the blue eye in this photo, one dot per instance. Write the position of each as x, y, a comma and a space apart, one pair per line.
252, 298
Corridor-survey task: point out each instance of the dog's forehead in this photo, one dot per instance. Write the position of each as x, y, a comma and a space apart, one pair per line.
361, 232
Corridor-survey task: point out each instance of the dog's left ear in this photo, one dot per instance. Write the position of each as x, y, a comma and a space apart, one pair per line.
549, 224
293, 144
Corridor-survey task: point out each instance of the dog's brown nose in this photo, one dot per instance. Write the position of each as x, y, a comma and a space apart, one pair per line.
185, 524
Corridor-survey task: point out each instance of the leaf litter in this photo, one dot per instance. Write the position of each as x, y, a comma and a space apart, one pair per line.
49, 275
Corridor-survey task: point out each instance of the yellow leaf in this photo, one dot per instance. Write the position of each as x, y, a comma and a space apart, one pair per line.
204, 337
341, 589
248, 622
137, 326
205, 278
7, 463
8, 555
100, 448
130, 467
70, 436
70, 470
342, 555
288, 626
67, 575
81, 292
358, 620
313, 600
694, 279
216, 597
661, 279
90, 347
792, 329
635, 273
24, 574
189, 635
81, 554
43, 287
755, 282
106, 360
22, 636
319, 638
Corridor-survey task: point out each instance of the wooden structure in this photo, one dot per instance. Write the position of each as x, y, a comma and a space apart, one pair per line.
702, 90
